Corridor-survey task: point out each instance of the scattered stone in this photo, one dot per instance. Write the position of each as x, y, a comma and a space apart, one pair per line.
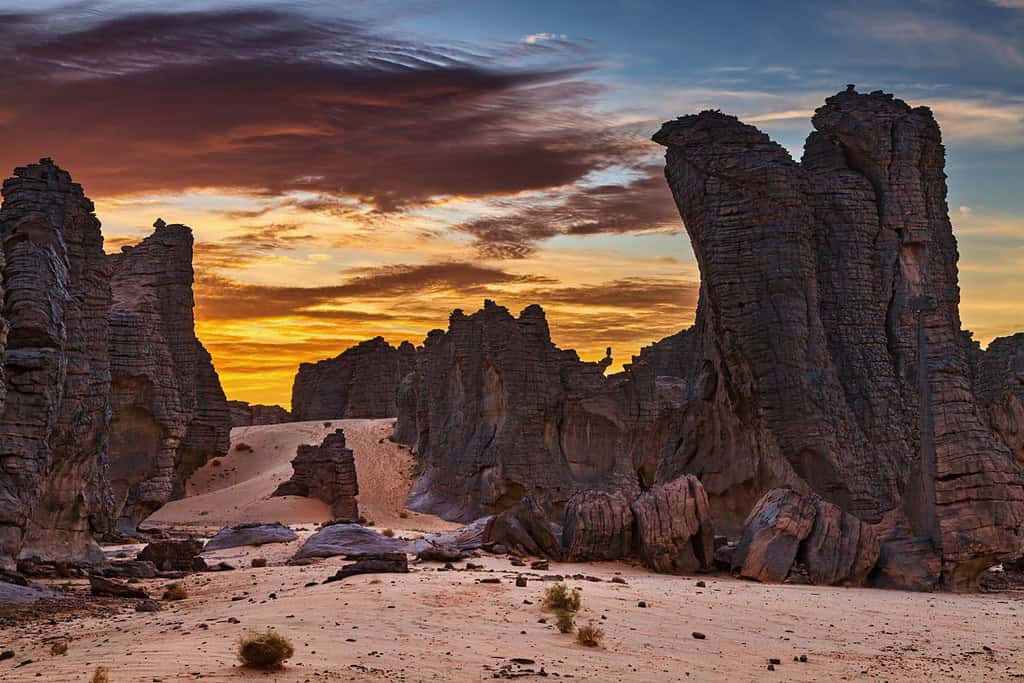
521, 581
148, 606
698, 635
170, 555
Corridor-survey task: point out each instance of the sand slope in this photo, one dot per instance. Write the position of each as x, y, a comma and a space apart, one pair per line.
238, 487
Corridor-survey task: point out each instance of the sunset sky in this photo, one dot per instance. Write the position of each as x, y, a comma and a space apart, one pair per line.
355, 169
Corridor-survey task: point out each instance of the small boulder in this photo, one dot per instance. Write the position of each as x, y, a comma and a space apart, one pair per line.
99, 585
256, 534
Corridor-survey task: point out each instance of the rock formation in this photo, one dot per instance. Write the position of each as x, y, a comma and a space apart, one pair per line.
674, 528
326, 472
495, 411
246, 415
362, 382
999, 383
827, 354
55, 400
169, 411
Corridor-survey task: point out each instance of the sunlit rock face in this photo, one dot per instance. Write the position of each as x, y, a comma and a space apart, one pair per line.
55, 417
827, 354
361, 382
169, 411
248, 414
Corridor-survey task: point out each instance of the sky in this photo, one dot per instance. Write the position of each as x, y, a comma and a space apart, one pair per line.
354, 169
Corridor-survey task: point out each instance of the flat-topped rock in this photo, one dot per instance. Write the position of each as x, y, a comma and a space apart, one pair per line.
255, 534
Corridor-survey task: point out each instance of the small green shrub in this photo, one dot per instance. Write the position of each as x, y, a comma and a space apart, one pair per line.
564, 621
264, 650
590, 635
559, 598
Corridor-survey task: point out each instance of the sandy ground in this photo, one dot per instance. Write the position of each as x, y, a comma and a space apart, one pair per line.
238, 487
432, 625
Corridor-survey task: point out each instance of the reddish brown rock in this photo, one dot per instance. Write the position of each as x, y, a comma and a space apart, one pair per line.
598, 526
777, 526
841, 549
525, 528
326, 472
674, 528
55, 404
169, 411
828, 355
245, 414
999, 383
362, 382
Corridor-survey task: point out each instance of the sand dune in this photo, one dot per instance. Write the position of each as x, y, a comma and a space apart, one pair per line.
238, 487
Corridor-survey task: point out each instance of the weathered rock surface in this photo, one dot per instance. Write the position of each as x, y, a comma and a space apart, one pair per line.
247, 414
129, 569
525, 528
115, 589
17, 594
55, 399
999, 383
598, 526
674, 527
169, 411
353, 539
496, 410
827, 354
361, 382
255, 533
173, 555
326, 472
381, 563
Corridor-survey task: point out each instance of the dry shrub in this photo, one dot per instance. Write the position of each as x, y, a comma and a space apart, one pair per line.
590, 635
175, 591
560, 598
264, 650
215, 462
259, 562
390, 533
403, 514
243, 446
59, 648
564, 621
100, 675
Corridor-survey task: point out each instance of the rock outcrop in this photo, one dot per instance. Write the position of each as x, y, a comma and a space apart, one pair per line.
674, 528
326, 472
999, 383
361, 382
252, 533
495, 411
55, 400
169, 411
599, 525
827, 355
248, 414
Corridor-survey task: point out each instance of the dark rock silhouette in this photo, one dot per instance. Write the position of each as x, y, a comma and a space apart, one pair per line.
361, 382
55, 400
326, 472
245, 414
169, 411
828, 355
999, 383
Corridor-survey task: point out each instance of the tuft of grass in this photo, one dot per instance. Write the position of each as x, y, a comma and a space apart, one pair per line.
100, 675
559, 598
403, 514
390, 533
590, 635
59, 648
243, 446
175, 591
327, 424
259, 562
215, 462
564, 621
264, 650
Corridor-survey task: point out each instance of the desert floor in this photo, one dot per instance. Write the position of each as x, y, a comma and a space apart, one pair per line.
435, 625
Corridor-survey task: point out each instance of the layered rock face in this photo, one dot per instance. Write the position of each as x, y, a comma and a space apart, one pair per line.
495, 411
999, 383
326, 472
362, 382
246, 415
170, 414
55, 404
827, 354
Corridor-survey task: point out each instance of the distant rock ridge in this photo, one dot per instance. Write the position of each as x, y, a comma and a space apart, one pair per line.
170, 414
54, 421
999, 384
246, 415
361, 382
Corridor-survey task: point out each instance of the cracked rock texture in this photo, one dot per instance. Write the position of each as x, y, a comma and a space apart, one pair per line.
248, 414
999, 383
361, 382
169, 411
828, 355
326, 472
55, 401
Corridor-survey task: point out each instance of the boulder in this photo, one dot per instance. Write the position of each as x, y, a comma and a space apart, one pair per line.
524, 528
395, 563
129, 569
674, 529
173, 555
115, 589
349, 539
326, 472
254, 533
17, 594
598, 526
777, 526
361, 382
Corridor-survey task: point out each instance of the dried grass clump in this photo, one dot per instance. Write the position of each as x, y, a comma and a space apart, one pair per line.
390, 533
175, 591
564, 622
264, 650
560, 599
590, 635
243, 446
59, 648
100, 675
